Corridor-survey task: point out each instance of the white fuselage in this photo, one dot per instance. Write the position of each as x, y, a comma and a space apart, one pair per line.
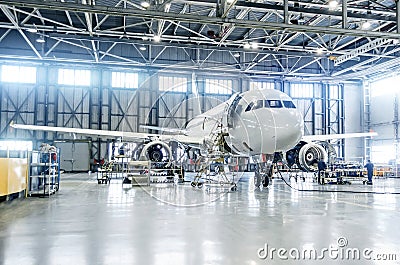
257, 122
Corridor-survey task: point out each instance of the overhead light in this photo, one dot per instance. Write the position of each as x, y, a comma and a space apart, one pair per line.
320, 51
157, 38
33, 29
236, 55
142, 48
254, 45
333, 4
145, 4
366, 25
301, 19
40, 39
247, 45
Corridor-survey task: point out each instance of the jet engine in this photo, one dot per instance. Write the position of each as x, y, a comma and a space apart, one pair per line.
309, 154
158, 152
306, 155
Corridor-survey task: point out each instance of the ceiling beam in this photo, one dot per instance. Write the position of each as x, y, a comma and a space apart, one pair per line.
150, 14
11, 17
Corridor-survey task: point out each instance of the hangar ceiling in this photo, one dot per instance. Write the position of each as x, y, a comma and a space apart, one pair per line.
296, 39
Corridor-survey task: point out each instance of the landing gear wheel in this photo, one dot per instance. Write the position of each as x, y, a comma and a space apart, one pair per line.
99, 182
234, 188
266, 182
199, 185
193, 184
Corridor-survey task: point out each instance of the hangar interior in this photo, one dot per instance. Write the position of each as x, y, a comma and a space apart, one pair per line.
123, 65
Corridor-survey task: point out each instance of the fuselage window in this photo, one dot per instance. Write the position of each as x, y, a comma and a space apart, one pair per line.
273, 104
289, 104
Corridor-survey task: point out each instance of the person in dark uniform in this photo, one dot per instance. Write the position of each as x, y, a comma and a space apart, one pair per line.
122, 149
257, 176
370, 171
321, 167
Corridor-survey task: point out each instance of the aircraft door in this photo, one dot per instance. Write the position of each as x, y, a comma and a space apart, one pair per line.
233, 110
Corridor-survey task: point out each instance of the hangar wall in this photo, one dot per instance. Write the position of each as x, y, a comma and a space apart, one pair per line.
384, 118
354, 121
99, 105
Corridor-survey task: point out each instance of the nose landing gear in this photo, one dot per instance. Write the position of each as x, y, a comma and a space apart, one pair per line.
266, 181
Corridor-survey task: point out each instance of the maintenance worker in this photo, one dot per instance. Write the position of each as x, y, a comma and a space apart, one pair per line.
370, 171
122, 150
257, 175
321, 168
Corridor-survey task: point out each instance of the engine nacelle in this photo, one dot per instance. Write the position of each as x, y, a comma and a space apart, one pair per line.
158, 152
306, 156
309, 155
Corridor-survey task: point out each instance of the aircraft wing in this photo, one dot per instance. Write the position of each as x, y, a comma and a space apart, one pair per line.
325, 137
111, 134
162, 129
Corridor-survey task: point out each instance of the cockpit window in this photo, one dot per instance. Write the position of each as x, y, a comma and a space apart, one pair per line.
258, 105
289, 104
267, 104
249, 106
273, 104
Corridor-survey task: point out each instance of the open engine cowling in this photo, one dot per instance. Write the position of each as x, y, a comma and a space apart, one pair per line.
309, 155
158, 152
306, 156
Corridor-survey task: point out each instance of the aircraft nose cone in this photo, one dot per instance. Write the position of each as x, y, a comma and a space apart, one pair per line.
289, 130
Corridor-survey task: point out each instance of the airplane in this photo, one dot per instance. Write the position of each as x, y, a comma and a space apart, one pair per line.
252, 123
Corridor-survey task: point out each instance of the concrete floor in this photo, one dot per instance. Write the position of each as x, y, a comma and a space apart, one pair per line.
87, 223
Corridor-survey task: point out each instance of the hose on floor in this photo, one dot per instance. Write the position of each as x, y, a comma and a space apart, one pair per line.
333, 191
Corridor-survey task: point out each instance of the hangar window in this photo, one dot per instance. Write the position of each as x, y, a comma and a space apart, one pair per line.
261, 85
73, 77
18, 74
16, 145
384, 86
383, 153
124, 80
218, 86
173, 83
334, 92
301, 90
